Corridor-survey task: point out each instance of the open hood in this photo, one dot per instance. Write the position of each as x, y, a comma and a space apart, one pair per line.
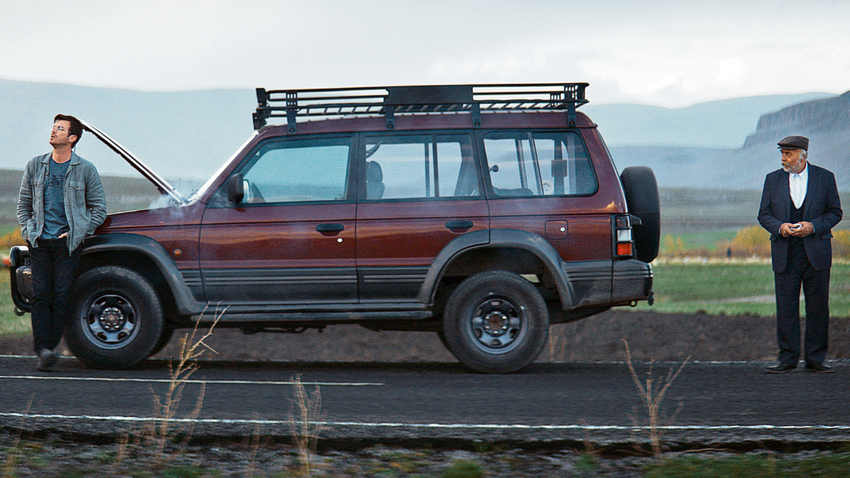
165, 188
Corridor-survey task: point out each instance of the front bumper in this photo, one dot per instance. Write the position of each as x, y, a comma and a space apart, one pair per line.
21, 279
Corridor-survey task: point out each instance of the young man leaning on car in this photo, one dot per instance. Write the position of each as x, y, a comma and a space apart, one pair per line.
61, 201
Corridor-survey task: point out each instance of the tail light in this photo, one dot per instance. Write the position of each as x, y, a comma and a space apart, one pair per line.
624, 243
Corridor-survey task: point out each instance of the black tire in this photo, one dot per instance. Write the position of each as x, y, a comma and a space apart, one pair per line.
641, 190
117, 320
163, 341
496, 322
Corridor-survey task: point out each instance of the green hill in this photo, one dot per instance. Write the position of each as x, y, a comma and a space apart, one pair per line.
122, 194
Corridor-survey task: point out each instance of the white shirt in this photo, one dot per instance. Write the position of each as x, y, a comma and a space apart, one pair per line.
798, 184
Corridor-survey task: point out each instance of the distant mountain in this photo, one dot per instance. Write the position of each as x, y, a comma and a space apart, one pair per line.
187, 136
826, 122
182, 135
715, 124
824, 117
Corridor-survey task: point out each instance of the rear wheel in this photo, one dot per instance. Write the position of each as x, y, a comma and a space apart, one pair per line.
117, 319
496, 322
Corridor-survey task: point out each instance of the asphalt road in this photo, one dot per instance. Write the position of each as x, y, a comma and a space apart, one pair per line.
555, 404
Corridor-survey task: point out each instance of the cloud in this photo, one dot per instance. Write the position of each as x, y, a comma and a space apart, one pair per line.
731, 71
665, 52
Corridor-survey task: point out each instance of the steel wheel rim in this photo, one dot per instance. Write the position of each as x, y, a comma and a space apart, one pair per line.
111, 321
497, 325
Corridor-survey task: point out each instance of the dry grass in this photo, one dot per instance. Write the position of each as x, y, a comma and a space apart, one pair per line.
14, 451
652, 392
121, 453
162, 430
306, 424
254, 443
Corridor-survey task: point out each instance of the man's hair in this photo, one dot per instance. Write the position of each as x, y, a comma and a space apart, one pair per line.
76, 127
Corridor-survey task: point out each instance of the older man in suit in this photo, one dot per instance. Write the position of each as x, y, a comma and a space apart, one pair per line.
799, 207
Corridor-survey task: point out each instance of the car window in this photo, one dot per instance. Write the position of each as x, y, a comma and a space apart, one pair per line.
538, 164
420, 166
298, 171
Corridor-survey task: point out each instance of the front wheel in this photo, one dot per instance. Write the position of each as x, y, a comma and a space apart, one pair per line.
117, 319
496, 322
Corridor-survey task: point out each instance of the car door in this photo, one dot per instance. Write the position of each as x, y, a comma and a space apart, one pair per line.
544, 182
422, 191
291, 239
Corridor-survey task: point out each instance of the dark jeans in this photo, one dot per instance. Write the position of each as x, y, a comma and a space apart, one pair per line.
815, 285
53, 274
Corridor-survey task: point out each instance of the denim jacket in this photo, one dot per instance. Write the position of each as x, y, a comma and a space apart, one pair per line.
85, 205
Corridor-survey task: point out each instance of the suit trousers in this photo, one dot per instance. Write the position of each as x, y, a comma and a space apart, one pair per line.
815, 284
53, 274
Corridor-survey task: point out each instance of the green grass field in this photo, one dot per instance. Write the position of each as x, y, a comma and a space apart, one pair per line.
707, 240
122, 194
731, 288
10, 324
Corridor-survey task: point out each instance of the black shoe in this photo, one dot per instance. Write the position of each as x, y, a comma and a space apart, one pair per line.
819, 367
46, 359
781, 368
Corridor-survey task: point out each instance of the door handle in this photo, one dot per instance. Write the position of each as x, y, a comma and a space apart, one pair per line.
330, 228
459, 224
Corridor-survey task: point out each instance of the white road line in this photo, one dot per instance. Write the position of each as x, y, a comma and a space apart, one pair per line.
207, 382
472, 426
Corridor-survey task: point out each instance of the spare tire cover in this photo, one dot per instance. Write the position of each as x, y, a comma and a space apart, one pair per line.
641, 190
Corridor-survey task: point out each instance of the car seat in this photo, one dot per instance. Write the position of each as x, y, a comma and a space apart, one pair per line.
374, 180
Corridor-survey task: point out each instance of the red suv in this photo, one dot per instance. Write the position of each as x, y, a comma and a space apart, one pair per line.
483, 213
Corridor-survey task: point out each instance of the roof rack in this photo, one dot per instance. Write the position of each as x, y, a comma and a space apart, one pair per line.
391, 100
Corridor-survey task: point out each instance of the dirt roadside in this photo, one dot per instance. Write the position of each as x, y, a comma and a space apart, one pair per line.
651, 336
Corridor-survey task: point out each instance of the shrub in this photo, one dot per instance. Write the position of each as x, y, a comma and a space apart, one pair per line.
751, 241
12, 239
673, 245
841, 243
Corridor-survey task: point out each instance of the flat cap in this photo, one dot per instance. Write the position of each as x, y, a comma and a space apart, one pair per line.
794, 142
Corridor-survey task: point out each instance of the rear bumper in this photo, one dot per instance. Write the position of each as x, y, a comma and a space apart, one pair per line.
607, 283
632, 281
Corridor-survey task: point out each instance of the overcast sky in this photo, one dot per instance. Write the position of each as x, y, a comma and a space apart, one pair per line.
666, 53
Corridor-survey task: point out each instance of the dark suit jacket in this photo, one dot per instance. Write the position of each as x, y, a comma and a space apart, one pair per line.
822, 208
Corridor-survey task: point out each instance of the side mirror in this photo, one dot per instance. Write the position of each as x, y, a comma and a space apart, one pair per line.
236, 188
